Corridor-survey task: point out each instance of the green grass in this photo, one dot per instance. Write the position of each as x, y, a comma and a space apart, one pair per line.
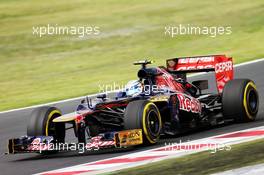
35, 70
205, 162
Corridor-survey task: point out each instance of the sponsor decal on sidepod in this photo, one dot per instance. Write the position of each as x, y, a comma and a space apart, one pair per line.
188, 103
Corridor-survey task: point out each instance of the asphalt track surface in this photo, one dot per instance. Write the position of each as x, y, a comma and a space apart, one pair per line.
13, 124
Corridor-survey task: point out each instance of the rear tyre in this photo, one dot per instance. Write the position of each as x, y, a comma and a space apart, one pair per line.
40, 124
144, 115
240, 100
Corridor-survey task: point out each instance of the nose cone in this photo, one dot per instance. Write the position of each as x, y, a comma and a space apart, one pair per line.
66, 117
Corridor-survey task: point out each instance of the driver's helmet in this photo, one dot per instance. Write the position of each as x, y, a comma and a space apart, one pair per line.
133, 88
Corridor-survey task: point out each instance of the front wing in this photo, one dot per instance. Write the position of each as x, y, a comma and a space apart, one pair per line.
45, 144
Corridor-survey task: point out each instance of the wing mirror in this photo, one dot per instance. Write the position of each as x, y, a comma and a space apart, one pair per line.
101, 96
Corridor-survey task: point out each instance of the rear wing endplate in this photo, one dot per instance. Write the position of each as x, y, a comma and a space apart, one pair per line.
220, 64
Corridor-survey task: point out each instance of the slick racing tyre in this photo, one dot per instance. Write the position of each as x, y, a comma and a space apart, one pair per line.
144, 115
240, 100
40, 124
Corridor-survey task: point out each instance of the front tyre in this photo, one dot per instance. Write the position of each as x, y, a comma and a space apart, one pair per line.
144, 115
40, 124
240, 100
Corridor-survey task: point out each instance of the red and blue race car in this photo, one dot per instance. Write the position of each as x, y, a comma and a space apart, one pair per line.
161, 102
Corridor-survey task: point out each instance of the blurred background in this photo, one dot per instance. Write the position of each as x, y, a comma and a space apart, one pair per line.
35, 70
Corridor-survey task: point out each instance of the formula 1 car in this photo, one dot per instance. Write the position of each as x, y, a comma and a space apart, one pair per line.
160, 102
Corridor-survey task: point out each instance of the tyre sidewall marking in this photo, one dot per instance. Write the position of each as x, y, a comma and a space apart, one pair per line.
144, 120
49, 117
249, 84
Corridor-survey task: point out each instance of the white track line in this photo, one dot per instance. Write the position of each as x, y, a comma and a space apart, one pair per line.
78, 98
249, 62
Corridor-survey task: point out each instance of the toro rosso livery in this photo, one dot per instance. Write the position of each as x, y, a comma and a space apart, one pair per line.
161, 102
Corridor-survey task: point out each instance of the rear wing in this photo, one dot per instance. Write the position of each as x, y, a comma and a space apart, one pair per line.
220, 64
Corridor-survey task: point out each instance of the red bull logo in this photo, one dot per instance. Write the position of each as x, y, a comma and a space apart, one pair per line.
188, 103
